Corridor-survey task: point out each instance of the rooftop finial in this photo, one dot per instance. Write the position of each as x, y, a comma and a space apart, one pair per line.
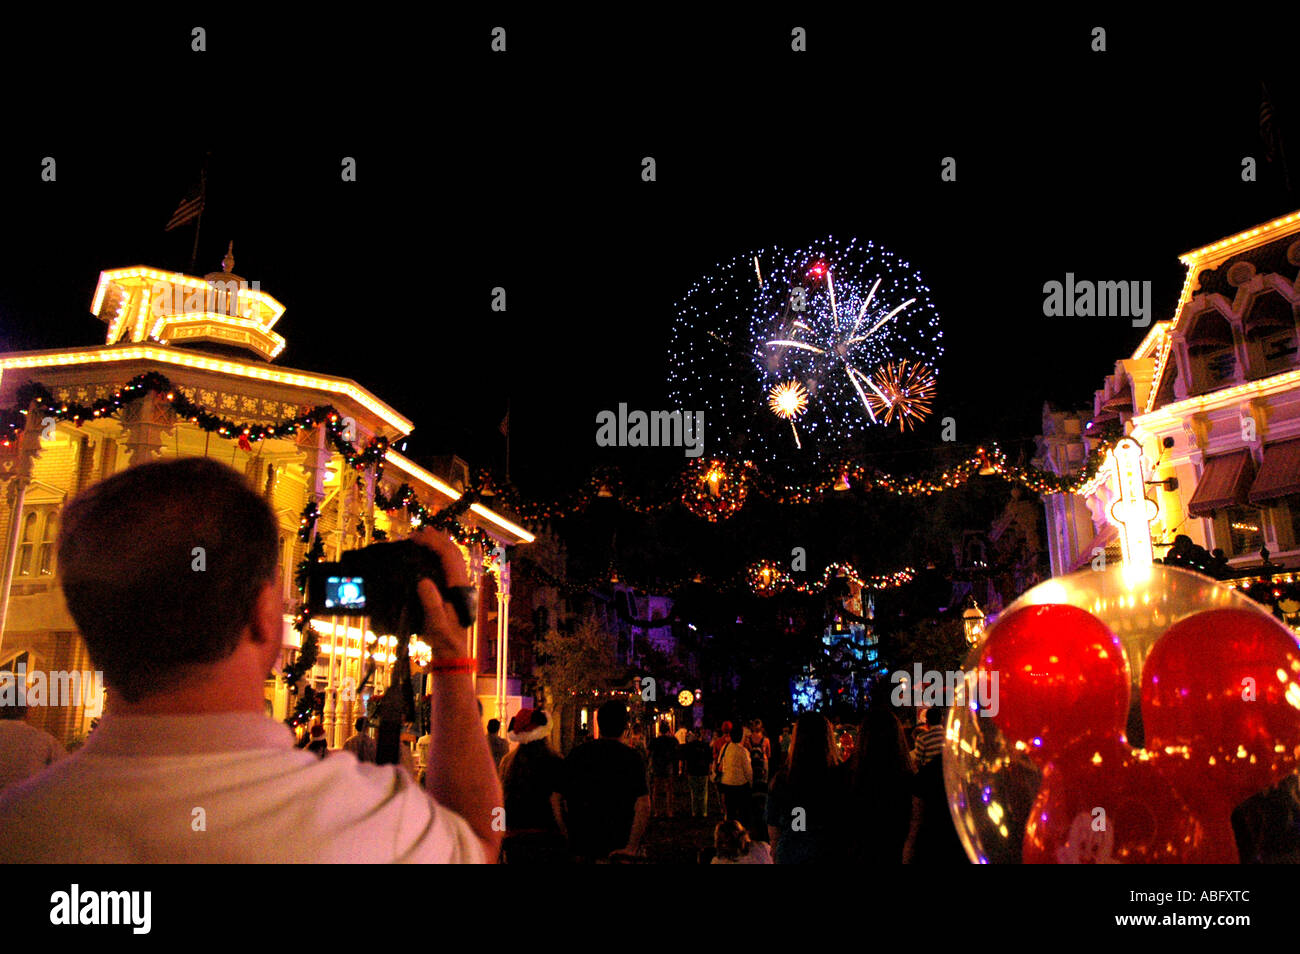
228, 263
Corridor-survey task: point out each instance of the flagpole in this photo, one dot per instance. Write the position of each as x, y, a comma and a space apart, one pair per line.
203, 202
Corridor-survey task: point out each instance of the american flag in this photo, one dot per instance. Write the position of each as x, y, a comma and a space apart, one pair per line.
191, 208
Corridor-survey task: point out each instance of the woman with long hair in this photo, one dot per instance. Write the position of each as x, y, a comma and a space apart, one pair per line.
880, 792
804, 803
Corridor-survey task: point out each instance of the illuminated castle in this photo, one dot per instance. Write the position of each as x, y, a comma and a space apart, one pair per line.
213, 339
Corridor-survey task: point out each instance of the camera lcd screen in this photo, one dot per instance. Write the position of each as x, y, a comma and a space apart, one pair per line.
345, 594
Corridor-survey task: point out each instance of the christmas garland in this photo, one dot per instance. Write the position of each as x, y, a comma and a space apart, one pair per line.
12, 421
767, 578
152, 382
776, 579
715, 489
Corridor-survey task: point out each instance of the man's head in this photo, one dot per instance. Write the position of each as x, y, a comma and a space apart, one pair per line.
167, 568
360, 725
935, 715
663, 729
737, 733
494, 726
611, 719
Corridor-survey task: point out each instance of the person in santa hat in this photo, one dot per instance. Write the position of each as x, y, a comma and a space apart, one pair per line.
318, 746
532, 777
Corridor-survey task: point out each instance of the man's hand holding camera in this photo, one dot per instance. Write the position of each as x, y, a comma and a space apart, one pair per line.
442, 629
461, 774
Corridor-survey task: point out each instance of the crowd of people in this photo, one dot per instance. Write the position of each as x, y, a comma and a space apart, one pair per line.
820, 793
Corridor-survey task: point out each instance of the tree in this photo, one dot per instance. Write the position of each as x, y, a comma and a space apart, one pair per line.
578, 661
937, 644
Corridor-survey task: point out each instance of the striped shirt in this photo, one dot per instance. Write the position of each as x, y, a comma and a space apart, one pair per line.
929, 743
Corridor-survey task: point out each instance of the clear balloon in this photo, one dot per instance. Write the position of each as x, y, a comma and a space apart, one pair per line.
1027, 774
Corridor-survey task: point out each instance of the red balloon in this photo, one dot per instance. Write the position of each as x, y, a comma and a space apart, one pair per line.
1061, 675
1102, 803
1221, 704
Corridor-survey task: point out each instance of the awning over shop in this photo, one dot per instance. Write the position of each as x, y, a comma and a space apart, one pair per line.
1122, 401
1279, 476
1224, 483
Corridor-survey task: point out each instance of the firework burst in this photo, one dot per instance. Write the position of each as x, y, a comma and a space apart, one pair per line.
905, 392
819, 318
788, 401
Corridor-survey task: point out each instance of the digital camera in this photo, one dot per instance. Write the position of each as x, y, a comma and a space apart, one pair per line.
378, 581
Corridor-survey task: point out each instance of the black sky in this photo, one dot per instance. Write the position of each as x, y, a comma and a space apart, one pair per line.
522, 171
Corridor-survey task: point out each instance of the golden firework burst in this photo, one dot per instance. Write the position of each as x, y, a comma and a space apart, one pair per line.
789, 400
905, 391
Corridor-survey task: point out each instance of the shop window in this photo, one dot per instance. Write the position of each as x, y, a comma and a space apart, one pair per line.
1245, 530
1287, 516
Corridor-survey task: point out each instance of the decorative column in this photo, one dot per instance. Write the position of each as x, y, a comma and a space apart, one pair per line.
147, 423
367, 508
29, 448
314, 465
476, 577
503, 632
338, 647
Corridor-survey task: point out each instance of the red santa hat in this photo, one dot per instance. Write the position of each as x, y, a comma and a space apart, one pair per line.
528, 725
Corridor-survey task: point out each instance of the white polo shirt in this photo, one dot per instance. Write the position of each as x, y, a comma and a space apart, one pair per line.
24, 751
226, 788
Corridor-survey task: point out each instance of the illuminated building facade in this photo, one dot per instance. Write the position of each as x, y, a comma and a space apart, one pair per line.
1212, 398
213, 339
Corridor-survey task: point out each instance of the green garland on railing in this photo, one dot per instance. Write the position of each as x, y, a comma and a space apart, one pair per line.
13, 420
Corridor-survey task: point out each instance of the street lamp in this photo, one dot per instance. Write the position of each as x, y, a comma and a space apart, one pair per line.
973, 622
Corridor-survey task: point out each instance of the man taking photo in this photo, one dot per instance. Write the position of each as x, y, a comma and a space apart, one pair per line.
185, 765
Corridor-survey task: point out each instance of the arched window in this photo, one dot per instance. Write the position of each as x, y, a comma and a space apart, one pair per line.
1269, 324
1213, 357
27, 546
